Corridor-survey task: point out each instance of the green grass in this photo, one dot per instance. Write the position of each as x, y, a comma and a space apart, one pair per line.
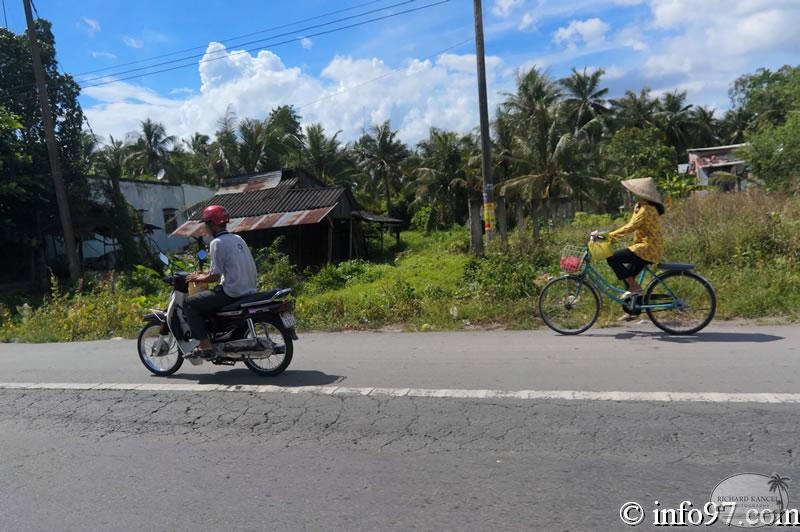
747, 245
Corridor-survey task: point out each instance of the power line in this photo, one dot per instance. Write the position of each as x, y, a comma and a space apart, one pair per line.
197, 56
226, 40
362, 23
5, 18
386, 75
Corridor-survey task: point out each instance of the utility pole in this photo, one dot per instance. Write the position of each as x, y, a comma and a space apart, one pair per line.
486, 146
52, 150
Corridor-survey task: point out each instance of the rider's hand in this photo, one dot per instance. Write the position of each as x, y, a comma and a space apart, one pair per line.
594, 233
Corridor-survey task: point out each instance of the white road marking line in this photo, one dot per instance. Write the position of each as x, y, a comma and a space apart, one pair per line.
531, 395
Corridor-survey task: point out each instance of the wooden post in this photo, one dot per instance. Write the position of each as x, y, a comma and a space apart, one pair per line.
350, 241
483, 112
52, 151
330, 240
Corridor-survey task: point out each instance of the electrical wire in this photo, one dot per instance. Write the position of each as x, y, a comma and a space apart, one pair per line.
226, 40
198, 56
362, 23
5, 17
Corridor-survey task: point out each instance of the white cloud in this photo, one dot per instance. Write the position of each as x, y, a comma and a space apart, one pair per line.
590, 32
132, 42
349, 93
526, 21
502, 8
91, 26
103, 55
306, 43
715, 37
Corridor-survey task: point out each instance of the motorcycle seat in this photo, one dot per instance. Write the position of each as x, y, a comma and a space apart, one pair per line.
255, 299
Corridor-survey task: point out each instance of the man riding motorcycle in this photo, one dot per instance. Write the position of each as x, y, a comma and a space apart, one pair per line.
232, 262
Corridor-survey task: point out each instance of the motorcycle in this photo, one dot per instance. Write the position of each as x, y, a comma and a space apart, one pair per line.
257, 329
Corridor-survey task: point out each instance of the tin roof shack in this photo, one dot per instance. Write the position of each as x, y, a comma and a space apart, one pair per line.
703, 162
319, 223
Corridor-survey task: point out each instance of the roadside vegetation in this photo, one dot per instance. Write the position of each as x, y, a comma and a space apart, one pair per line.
747, 244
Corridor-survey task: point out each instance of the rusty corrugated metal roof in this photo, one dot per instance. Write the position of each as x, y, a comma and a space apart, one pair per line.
194, 228
273, 200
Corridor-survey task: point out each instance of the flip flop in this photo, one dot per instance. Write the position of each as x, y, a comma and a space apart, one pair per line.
201, 353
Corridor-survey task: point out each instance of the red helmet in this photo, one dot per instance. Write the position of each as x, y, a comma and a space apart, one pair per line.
216, 214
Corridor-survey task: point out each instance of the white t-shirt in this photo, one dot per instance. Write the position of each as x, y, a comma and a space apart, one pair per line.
231, 258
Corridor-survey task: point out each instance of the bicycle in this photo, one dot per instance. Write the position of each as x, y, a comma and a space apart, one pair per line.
678, 300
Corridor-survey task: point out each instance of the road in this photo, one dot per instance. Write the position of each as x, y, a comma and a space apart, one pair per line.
390, 431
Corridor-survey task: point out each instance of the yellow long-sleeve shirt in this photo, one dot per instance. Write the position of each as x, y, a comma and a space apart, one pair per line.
648, 244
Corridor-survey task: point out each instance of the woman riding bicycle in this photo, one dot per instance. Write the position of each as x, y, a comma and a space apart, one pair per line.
648, 244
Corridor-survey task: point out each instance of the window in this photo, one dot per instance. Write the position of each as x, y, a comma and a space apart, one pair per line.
170, 220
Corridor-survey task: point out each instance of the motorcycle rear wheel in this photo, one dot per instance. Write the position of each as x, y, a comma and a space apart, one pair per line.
279, 360
149, 346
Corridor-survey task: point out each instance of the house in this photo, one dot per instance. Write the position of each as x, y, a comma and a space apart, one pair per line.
705, 161
319, 223
161, 207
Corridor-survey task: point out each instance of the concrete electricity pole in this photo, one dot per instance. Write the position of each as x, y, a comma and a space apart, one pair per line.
486, 145
52, 150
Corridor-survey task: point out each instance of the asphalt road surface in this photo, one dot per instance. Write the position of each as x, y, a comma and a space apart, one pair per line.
392, 431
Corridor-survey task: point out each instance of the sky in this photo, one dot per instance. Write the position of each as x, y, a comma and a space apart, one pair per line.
408, 61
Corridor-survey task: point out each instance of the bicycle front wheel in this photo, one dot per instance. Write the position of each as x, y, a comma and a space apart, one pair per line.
569, 305
689, 302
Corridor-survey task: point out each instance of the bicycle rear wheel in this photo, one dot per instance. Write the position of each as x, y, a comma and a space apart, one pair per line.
569, 305
692, 299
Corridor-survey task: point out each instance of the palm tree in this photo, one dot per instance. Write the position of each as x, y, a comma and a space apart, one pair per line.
547, 152
324, 156
112, 159
529, 105
779, 484
674, 120
704, 127
380, 154
736, 123
151, 149
635, 110
224, 151
253, 145
447, 164
584, 97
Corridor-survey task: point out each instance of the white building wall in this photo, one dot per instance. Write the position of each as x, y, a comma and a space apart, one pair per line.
150, 198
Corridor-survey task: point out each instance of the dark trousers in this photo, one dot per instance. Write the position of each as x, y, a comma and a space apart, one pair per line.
626, 263
204, 304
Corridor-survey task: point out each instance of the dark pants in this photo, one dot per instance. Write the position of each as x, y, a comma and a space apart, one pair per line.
204, 304
626, 263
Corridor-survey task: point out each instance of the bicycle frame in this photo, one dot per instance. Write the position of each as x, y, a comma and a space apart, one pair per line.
595, 278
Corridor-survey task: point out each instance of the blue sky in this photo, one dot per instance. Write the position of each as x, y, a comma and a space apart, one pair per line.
417, 69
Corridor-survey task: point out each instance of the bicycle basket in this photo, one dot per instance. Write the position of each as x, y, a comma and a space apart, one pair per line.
600, 249
572, 258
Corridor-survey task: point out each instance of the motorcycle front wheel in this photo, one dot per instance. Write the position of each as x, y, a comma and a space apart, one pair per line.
159, 353
275, 363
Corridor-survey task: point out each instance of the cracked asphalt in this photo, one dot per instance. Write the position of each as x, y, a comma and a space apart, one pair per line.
144, 460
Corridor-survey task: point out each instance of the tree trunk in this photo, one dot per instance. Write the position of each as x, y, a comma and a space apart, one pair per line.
519, 210
388, 194
502, 225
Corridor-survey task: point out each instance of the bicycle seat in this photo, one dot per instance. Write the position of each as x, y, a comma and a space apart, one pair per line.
675, 266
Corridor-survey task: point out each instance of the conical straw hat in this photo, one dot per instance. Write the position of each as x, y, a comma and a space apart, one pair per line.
645, 188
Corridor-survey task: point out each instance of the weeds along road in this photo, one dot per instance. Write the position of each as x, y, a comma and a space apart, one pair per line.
384, 431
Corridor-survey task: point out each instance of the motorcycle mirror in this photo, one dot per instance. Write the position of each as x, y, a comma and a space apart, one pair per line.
202, 255
163, 258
